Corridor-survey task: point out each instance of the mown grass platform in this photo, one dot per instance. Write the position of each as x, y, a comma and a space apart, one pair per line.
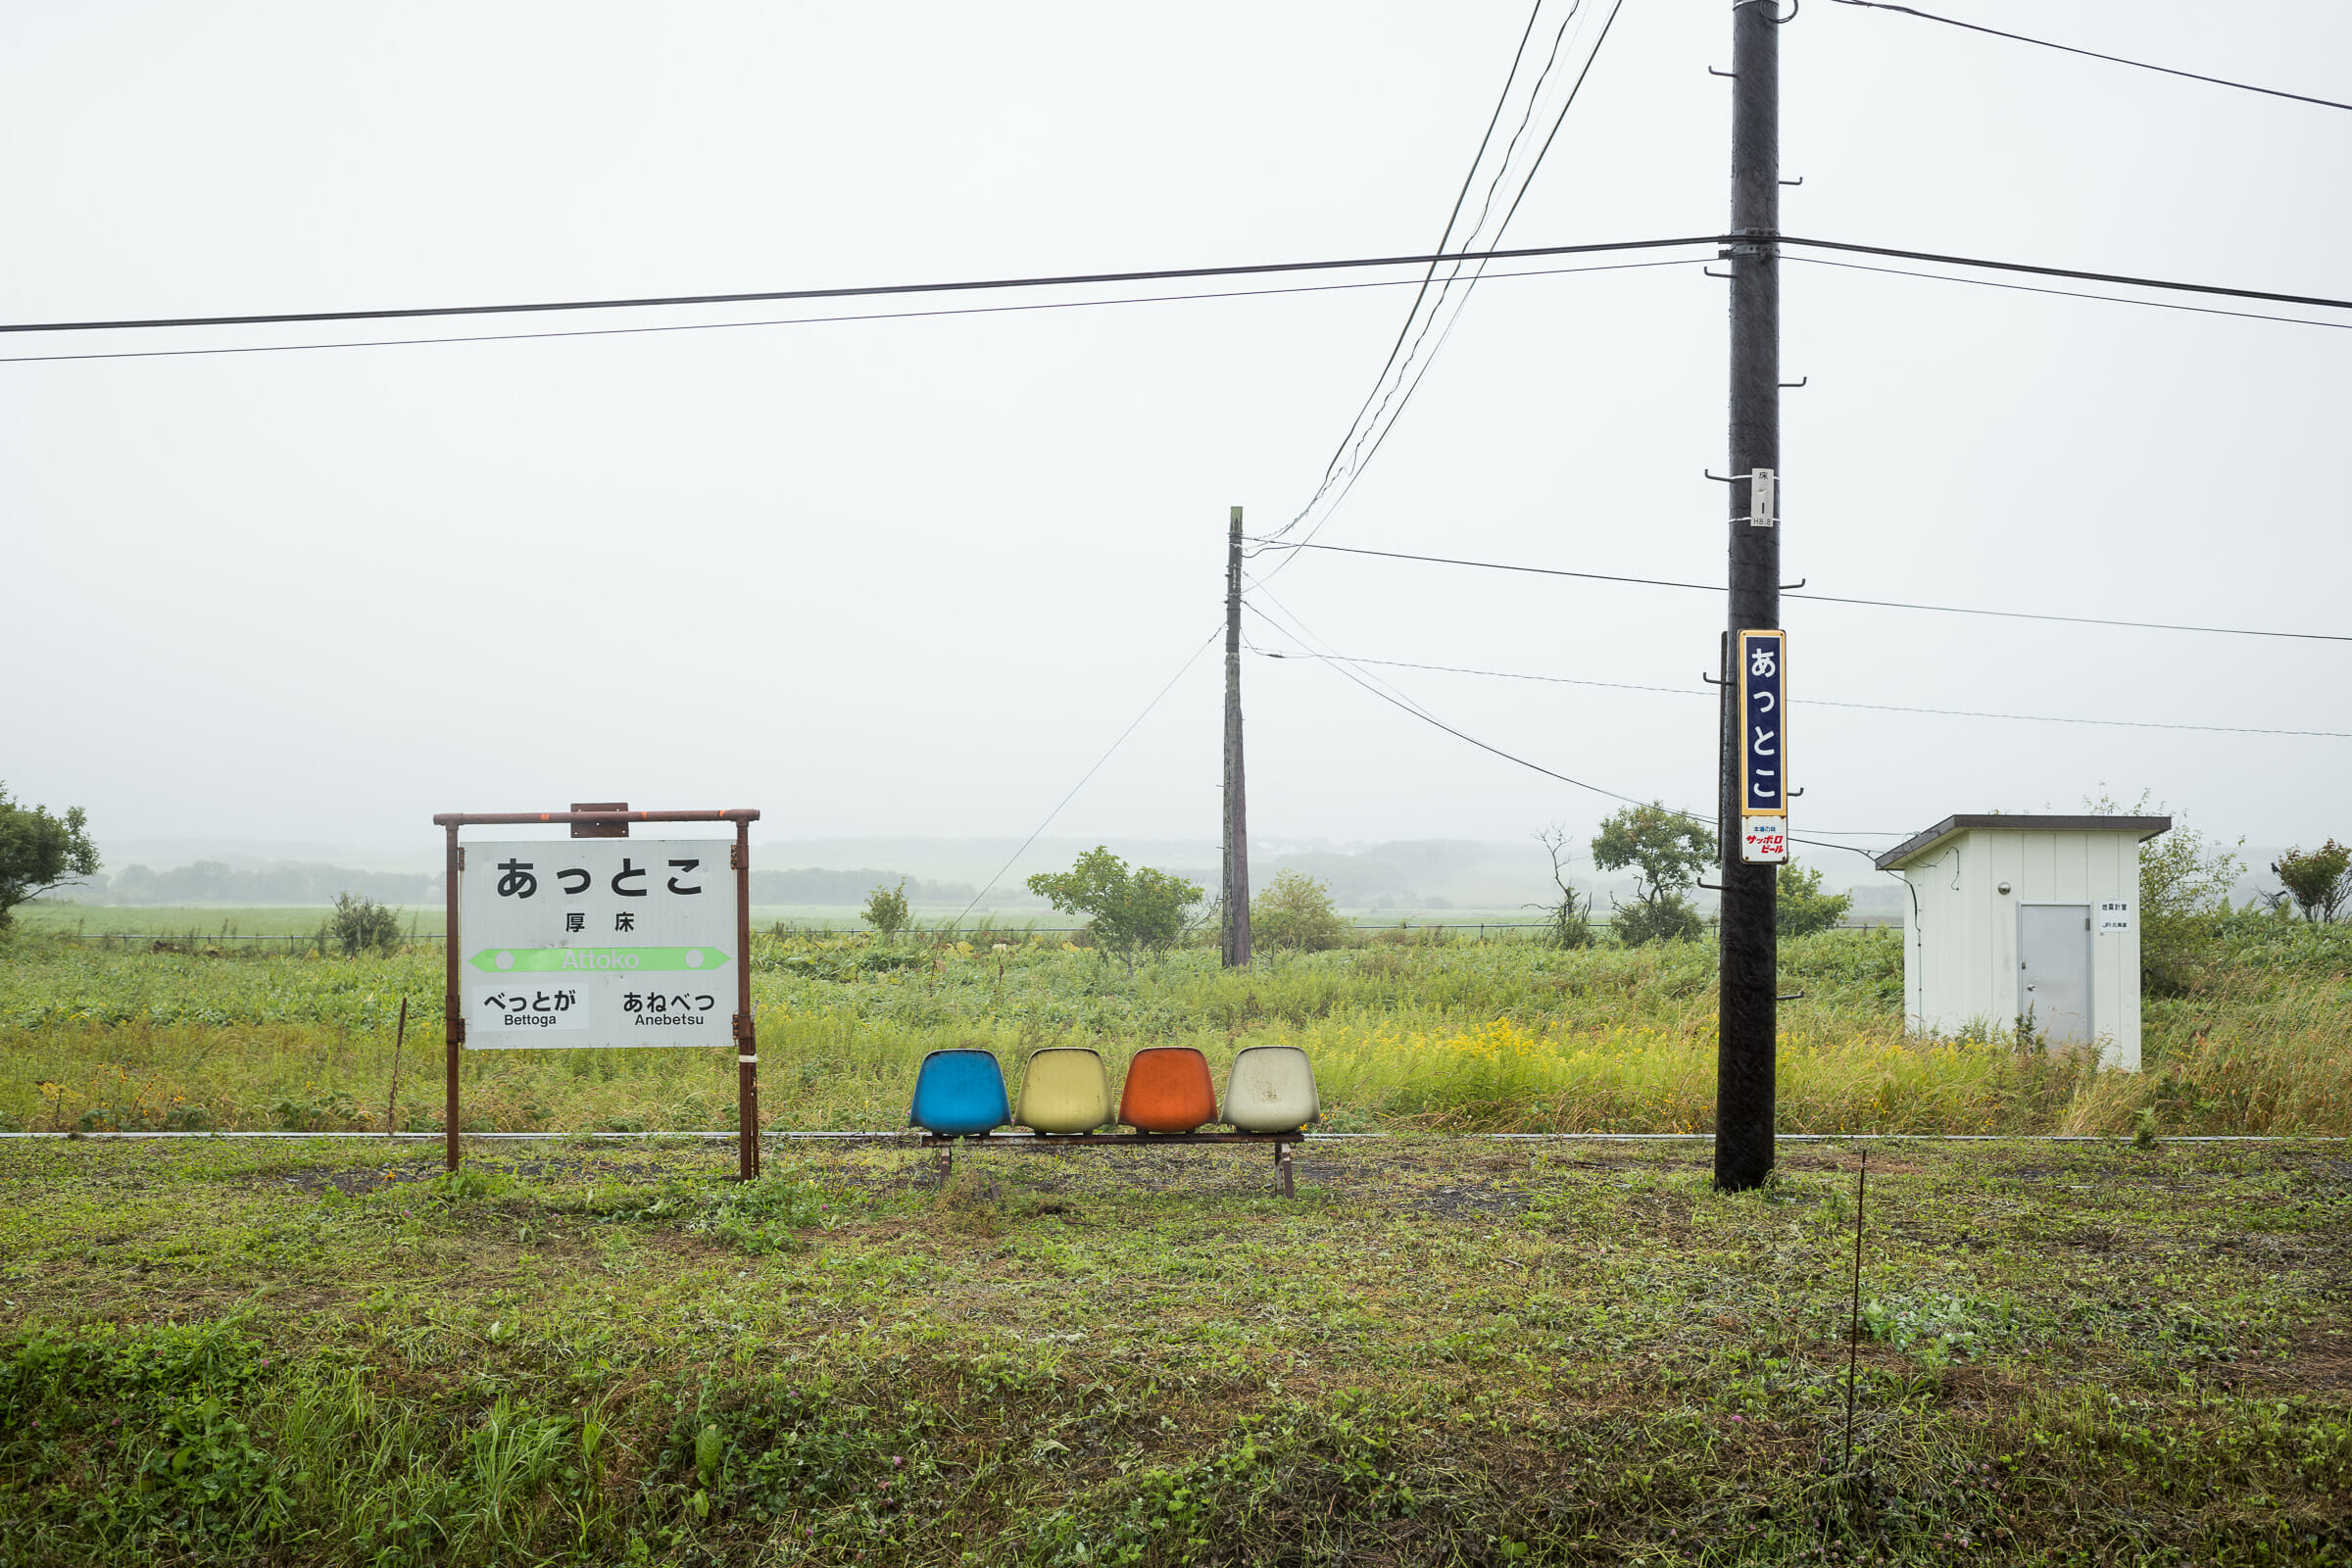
1443, 1352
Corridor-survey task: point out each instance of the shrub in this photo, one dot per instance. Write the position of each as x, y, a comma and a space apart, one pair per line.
886, 909
2320, 880
1127, 911
1666, 850
1294, 910
1572, 915
359, 925
1664, 917
40, 853
2184, 882
1801, 907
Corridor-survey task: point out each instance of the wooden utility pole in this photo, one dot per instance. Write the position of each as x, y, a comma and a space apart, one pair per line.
1233, 892
1747, 1010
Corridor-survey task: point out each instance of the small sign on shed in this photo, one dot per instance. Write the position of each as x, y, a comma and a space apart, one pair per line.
2025, 922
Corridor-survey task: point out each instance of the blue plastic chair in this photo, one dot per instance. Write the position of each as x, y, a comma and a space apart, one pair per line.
960, 1093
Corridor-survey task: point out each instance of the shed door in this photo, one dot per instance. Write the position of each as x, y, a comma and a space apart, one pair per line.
2053, 970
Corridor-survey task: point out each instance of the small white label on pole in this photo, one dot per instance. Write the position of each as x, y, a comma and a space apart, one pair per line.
1763, 499
2114, 915
1764, 841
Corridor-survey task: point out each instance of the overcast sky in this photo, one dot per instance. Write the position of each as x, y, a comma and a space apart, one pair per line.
912, 577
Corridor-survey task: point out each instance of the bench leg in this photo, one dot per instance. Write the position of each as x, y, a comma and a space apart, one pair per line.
947, 1164
1282, 1166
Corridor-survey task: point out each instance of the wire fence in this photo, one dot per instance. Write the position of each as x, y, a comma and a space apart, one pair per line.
299, 941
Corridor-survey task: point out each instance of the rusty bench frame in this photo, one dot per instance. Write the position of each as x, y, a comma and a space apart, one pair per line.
945, 1142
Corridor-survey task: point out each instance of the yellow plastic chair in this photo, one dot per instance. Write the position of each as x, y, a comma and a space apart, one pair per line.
1064, 1089
1271, 1090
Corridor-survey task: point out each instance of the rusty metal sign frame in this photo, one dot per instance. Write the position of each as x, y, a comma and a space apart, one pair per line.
614, 822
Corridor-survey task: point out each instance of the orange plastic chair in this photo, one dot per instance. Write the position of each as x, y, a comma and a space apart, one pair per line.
1168, 1089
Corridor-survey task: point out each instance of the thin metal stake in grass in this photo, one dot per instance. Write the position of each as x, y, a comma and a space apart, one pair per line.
1853, 1339
392, 1105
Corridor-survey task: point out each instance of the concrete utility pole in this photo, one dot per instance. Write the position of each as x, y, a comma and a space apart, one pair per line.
1747, 1010
1233, 891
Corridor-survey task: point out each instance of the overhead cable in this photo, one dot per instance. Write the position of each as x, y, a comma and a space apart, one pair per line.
1164, 274
1191, 660
1340, 664
1404, 392
866, 290
1429, 718
1823, 702
1300, 632
2038, 270
2068, 48
809, 320
1825, 599
2067, 293
1469, 174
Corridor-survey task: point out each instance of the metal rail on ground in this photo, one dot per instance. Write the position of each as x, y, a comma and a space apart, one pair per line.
914, 1139
302, 938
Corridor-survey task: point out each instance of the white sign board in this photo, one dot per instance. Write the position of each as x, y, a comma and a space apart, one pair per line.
597, 942
1763, 840
2115, 915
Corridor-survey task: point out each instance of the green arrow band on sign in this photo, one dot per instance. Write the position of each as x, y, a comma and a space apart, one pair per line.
594, 960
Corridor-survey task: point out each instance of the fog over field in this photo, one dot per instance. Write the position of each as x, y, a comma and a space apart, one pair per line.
1424, 880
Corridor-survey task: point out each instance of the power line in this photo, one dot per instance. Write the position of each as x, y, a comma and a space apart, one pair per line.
1341, 664
1527, 118
806, 320
1357, 470
2062, 271
1823, 702
1429, 718
1164, 275
2069, 293
1303, 634
1300, 632
1827, 599
1193, 659
1504, 674
1562, 118
2142, 64
1469, 174
863, 291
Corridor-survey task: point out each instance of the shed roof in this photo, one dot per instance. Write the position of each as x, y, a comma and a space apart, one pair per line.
1918, 845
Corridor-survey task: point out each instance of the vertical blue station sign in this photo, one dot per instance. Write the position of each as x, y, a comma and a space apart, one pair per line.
1763, 747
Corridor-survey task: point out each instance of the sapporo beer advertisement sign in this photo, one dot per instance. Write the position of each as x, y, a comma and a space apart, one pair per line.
1763, 747
597, 942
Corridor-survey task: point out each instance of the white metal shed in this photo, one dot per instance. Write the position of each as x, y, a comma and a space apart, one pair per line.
2017, 914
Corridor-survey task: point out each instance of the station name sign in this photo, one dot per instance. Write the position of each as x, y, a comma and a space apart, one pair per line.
1763, 662
599, 942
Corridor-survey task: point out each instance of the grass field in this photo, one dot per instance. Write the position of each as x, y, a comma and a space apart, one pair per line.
1441, 1036
1441, 1352
1444, 1352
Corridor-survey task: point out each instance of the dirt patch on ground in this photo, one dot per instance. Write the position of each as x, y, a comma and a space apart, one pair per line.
1980, 1387
410, 1166
1844, 1162
2319, 1361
